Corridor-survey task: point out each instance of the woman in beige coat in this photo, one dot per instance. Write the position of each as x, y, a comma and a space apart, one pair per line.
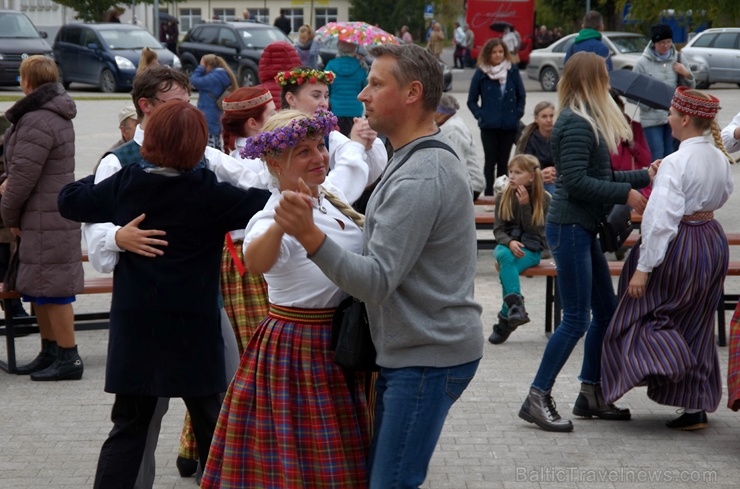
39, 154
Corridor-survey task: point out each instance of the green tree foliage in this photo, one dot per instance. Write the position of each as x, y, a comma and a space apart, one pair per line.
94, 10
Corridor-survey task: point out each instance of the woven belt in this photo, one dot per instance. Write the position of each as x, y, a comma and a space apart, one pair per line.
297, 314
699, 216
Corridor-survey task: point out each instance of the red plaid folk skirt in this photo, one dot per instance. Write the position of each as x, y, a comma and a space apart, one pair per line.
666, 338
290, 419
733, 365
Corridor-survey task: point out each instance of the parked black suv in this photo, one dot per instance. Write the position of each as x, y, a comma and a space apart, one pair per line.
239, 43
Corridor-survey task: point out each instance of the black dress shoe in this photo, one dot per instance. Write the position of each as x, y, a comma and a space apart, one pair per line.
186, 466
689, 422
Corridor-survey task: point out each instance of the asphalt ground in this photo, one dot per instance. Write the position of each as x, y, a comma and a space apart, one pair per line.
51, 433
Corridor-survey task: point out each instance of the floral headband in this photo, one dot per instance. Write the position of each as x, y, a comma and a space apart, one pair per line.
272, 143
299, 76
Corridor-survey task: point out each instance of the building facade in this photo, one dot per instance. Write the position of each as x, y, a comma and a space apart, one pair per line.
45, 13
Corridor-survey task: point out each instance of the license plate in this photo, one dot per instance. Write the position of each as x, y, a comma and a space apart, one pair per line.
18, 78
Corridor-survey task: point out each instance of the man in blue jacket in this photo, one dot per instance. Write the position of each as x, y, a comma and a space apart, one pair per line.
589, 38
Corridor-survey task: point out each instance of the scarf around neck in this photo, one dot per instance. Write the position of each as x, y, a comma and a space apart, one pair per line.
497, 72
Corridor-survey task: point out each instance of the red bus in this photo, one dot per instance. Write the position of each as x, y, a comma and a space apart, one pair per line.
480, 15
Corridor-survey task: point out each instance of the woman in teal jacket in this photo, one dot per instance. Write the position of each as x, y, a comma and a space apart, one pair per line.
351, 77
497, 85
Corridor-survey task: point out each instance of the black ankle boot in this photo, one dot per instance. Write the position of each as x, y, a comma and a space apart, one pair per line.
539, 408
68, 366
501, 331
43, 360
186, 466
591, 402
517, 315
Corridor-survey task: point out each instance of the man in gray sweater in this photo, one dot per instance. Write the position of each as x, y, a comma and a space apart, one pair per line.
417, 270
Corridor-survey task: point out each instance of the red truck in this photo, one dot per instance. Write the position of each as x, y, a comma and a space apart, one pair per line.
488, 17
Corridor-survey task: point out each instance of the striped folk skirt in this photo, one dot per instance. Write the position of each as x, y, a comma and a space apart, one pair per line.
290, 419
733, 365
665, 339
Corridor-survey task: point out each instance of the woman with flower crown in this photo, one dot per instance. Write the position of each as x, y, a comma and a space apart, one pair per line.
307, 90
291, 418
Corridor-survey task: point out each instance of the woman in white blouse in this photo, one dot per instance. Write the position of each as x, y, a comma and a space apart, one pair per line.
291, 416
662, 333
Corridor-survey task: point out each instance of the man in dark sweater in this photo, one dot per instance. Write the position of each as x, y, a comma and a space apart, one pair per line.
283, 22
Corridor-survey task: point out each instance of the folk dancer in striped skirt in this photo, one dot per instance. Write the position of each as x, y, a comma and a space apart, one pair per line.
662, 333
290, 417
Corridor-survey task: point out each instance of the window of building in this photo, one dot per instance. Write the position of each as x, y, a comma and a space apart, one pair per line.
325, 15
296, 18
260, 15
188, 18
224, 14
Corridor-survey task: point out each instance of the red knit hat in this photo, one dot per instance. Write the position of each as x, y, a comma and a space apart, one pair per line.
695, 106
247, 98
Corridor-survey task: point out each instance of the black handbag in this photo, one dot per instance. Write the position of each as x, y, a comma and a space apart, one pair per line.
353, 347
613, 230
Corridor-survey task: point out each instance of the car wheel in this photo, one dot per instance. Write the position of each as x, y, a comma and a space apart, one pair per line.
107, 82
64, 82
704, 85
188, 68
549, 79
247, 78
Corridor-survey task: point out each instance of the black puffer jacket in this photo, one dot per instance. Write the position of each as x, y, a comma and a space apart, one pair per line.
586, 187
40, 156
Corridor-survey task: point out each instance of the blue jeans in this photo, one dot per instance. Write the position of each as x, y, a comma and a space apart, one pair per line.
509, 268
660, 140
411, 408
586, 289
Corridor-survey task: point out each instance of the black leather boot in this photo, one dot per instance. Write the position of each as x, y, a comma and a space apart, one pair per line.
44, 359
68, 366
539, 408
517, 315
501, 331
591, 402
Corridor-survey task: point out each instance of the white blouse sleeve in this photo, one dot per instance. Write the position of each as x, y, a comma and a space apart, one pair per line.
349, 165
728, 135
663, 213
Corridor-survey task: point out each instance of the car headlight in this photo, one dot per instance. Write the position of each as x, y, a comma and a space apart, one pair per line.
124, 63
176, 62
2, 57
49, 55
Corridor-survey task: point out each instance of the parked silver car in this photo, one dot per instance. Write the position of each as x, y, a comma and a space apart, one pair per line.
546, 64
714, 56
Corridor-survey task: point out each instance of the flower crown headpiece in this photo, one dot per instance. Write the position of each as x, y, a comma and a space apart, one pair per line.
272, 143
299, 76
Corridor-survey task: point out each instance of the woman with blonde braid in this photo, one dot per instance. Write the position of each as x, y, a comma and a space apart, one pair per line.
662, 333
290, 417
212, 78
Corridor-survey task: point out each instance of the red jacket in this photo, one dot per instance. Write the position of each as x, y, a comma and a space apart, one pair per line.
278, 56
636, 157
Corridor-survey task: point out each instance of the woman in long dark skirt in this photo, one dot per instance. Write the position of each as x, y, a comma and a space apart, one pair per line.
662, 333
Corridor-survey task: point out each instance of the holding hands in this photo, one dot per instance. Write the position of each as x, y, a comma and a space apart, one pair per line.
294, 214
362, 133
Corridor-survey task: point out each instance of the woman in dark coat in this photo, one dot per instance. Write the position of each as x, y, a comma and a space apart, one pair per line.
497, 99
39, 152
165, 334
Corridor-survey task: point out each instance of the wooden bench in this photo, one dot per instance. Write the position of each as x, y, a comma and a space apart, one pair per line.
12, 327
552, 298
